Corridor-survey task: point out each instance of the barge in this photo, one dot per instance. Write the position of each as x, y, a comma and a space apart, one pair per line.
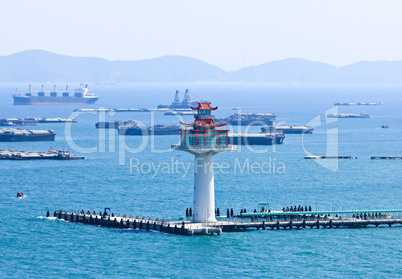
157, 130
33, 121
294, 129
358, 104
348, 115
18, 122
256, 138
328, 157
55, 120
16, 134
253, 119
115, 124
179, 113
29, 155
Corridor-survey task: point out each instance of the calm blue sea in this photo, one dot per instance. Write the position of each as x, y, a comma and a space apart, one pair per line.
124, 175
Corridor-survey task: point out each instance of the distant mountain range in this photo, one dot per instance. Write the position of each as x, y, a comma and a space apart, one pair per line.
43, 66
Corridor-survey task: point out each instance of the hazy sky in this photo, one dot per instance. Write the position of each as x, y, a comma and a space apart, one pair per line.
229, 34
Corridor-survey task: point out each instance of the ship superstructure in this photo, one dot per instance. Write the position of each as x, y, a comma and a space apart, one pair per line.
348, 115
253, 119
294, 129
185, 104
157, 130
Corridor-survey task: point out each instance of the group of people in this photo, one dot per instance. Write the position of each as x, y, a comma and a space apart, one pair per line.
365, 215
299, 208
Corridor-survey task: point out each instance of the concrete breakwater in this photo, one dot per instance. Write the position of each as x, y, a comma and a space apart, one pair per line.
273, 220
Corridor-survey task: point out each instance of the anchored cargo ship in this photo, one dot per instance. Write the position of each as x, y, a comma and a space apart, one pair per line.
348, 115
180, 113
254, 119
81, 96
33, 121
18, 122
256, 139
358, 104
115, 124
157, 130
185, 104
55, 120
14, 134
294, 129
29, 155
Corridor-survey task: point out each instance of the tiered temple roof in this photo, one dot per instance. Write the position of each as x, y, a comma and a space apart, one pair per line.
204, 123
204, 106
204, 134
204, 119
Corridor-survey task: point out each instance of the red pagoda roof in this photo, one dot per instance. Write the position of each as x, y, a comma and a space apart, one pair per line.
204, 106
206, 123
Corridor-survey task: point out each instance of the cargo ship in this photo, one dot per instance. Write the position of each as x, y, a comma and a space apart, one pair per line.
180, 113
34, 155
348, 115
253, 119
15, 134
55, 120
115, 124
18, 122
81, 96
157, 130
256, 138
185, 104
33, 121
294, 129
359, 104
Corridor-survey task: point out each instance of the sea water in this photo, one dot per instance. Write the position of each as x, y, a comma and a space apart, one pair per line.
142, 176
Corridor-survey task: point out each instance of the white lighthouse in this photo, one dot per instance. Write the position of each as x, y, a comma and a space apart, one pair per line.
204, 141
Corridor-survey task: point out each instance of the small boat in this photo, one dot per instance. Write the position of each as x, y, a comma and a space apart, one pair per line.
20, 195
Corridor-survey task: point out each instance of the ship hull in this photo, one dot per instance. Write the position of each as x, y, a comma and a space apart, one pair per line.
15, 138
18, 122
251, 123
295, 131
289, 130
110, 124
147, 131
255, 140
36, 100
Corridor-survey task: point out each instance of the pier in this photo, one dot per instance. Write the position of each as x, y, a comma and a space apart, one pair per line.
277, 220
204, 139
131, 110
386, 157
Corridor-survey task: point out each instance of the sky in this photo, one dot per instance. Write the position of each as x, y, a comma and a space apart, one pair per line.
229, 34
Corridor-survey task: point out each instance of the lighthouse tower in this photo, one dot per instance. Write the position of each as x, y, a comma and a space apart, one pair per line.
204, 141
